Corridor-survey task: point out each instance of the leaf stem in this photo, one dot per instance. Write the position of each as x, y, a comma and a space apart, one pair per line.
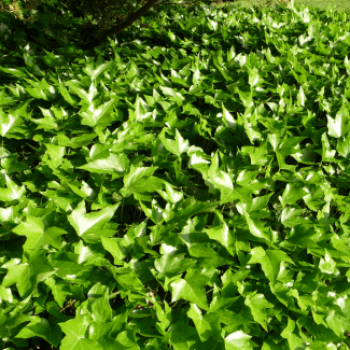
121, 214
140, 216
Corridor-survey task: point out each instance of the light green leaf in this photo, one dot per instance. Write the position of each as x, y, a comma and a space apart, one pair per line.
133, 71
140, 180
228, 118
260, 203
238, 341
257, 304
84, 223
339, 126
28, 275
327, 152
173, 195
223, 235
338, 322
98, 116
327, 265
294, 340
59, 289
113, 164
291, 217
170, 264
136, 174
186, 209
93, 72
254, 77
56, 153
37, 235
292, 193
12, 191
164, 317
100, 309
301, 97
116, 248
75, 339
196, 77
256, 228
220, 179
177, 146
208, 325
270, 261
41, 327
191, 291
78, 90
8, 123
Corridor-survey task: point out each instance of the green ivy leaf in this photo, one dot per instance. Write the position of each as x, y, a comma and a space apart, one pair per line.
92, 223
113, 164
170, 265
327, 265
40, 327
177, 146
37, 235
293, 339
340, 125
207, 325
257, 304
12, 191
190, 289
270, 261
27, 275
238, 341
75, 339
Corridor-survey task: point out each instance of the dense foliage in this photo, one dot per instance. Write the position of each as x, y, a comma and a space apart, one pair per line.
185, 187
102, 14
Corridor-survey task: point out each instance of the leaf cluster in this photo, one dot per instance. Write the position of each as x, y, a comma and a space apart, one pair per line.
187, 189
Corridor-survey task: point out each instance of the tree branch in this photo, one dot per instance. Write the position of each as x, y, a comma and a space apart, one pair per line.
102, 37
120, 27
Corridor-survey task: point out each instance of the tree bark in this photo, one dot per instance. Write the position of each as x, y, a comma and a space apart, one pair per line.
120, 27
